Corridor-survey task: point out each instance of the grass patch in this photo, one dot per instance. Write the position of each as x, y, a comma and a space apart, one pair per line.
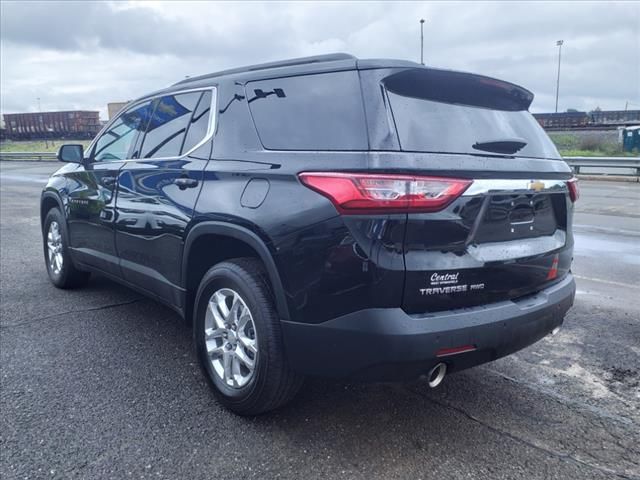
564, 141
588, 144
37, 145
595, 153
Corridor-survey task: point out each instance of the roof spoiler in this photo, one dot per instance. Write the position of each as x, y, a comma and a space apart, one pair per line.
458, 88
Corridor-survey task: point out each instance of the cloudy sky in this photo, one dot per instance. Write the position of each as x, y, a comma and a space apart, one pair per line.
81, 55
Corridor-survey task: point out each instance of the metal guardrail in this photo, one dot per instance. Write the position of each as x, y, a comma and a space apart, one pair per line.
29, 156
609, 163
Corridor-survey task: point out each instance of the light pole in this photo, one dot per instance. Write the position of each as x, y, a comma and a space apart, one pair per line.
422, 41
559, 45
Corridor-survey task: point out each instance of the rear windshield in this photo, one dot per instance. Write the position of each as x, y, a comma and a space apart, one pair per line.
427, 126
449, 112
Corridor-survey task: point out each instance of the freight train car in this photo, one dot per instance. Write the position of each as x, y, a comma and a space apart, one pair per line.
598, 119
615, 117
68, 124
563, 120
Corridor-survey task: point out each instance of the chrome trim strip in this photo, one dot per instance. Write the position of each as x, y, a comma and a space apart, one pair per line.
513, 249
527, 222
483, 186
211, 128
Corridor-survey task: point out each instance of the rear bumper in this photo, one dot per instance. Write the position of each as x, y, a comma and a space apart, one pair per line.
388, 344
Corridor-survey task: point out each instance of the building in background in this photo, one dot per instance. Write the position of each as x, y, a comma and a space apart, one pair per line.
114, 107
68, 124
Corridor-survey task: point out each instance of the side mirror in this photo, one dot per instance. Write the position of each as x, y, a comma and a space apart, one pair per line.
71, 153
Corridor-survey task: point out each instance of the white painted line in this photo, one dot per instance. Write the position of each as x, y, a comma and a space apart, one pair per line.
24, 178
608, 282
595, 228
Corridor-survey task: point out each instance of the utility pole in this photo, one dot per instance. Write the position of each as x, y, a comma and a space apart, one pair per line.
559, 45
422, 41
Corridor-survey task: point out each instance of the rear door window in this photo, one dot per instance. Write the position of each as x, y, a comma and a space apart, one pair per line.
310, 112
168, 125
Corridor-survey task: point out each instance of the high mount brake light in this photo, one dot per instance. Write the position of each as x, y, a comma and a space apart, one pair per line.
355, 193
574, 189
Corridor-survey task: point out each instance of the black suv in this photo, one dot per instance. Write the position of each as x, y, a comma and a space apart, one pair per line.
363, 219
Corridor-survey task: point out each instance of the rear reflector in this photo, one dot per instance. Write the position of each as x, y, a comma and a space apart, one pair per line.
574, 189
355, 193
445, 352
553, 271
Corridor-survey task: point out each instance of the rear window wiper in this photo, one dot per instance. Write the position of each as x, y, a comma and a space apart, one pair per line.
501, 145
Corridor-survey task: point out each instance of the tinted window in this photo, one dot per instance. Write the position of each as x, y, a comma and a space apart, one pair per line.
428, 126
199, 123
311, 112
168, 125
444, 111
114, 144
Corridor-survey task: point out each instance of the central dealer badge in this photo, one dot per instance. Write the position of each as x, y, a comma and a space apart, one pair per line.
447, 283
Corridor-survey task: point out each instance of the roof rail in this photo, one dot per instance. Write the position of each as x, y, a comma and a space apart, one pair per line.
331, 57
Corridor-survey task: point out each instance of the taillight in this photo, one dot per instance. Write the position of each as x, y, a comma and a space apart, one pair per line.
574, 189
355, 193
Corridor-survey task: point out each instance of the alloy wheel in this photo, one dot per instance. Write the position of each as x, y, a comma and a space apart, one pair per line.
54, 248
230, 337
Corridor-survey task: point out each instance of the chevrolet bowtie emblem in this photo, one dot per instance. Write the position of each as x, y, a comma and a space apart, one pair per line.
536, 185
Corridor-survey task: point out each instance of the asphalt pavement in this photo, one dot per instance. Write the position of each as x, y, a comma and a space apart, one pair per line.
103, 383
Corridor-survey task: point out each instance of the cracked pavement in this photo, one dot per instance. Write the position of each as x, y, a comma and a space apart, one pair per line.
103, 383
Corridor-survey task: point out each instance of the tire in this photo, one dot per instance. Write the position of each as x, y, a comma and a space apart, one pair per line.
271, 383
62, 273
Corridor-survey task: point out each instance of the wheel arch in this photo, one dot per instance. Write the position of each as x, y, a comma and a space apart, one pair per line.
244, 241
48, 201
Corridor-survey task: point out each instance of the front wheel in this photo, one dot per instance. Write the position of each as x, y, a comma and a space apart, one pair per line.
239, 340
62, 271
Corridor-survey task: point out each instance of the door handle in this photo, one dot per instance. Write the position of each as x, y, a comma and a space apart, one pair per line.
185, 182
108, 181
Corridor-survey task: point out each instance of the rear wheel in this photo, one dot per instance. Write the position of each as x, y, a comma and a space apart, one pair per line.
62, 271
239, 341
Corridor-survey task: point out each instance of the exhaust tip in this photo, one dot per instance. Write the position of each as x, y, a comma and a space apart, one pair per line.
436, 375
555, 331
